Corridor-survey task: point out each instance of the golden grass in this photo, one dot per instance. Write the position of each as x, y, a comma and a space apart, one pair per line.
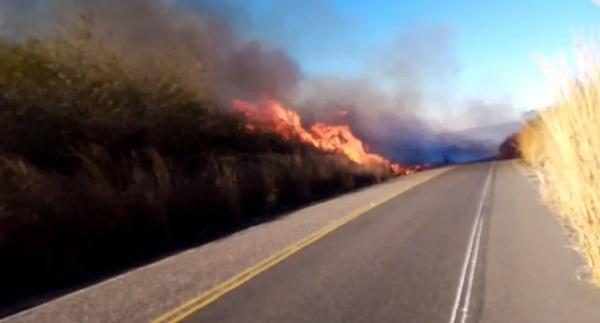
108, 158
563, 145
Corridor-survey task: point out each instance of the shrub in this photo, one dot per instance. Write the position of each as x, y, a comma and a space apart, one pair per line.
104, 164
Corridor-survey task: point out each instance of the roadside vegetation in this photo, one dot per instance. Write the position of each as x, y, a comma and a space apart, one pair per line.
509, 148
104, 162
563, 144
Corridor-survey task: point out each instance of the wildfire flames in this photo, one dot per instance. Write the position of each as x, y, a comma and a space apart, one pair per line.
272, 116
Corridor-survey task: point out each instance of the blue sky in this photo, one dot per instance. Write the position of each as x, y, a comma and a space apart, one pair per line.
493, 43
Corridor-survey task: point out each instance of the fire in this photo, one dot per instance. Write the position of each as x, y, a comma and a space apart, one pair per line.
272, 116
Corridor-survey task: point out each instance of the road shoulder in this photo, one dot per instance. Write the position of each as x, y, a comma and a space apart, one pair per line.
531, 272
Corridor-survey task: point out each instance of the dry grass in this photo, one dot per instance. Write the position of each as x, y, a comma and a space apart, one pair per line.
103, 164
563, 145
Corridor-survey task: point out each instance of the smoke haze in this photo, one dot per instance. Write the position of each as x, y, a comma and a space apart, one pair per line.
398, 100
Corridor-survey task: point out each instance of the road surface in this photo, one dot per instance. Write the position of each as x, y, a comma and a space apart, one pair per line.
471, 244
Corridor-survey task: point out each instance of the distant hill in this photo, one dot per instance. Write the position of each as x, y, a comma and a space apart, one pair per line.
473, 144
493, 135
457, 147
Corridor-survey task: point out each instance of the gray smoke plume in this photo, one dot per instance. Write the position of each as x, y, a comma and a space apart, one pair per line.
399, 89
403, 102
145, 29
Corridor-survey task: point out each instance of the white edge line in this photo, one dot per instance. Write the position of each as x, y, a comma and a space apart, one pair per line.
464, 271
475, 258
469, 251
465, 309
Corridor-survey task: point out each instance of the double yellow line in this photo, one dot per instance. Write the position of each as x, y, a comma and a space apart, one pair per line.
197, 303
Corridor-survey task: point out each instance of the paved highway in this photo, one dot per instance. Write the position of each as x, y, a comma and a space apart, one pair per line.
471, 244
400, 262
423, 257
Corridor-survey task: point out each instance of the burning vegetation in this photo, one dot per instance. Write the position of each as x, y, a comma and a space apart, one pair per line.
269, 115
110, 156
116, 145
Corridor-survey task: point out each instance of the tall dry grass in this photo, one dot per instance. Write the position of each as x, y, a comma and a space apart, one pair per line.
105, 162
563, 144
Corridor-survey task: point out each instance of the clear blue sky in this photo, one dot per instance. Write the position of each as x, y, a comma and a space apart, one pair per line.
494, 42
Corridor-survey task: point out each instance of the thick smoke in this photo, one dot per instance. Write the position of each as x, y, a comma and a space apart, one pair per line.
399, 89
151, 30
403, 102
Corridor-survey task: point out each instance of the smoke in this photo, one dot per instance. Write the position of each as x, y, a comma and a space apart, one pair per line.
151, 30
392, 101
404, 104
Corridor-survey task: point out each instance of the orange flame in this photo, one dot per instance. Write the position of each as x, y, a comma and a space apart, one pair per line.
272, 116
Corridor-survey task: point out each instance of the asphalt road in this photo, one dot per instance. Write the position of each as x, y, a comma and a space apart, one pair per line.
424, 256
472, 244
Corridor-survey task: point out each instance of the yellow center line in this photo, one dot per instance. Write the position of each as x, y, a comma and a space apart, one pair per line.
197, 303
